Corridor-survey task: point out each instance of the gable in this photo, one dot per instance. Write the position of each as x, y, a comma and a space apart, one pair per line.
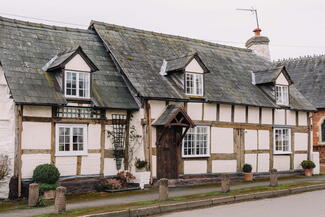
194, 66
281, 80
77, 63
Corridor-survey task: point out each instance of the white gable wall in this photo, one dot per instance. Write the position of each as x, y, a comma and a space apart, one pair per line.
77, 63
7, 132
194, 66
281, 80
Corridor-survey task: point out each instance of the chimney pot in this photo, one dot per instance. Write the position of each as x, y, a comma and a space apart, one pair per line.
257, 31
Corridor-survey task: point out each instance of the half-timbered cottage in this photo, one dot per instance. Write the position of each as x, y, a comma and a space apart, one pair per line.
308, 73
92, 101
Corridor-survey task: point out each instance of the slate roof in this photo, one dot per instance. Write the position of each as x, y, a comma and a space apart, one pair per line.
178, 63
26, 47
140, 55
308, 74
270, 75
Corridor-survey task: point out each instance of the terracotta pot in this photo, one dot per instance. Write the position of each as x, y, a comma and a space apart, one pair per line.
248, 177
48, 195
308, 172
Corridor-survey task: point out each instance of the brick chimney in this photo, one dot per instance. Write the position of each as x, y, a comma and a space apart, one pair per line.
259, 44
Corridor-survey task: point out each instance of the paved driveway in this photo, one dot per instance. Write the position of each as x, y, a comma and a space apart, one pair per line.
310, 204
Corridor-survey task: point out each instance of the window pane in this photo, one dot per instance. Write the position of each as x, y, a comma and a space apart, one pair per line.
196, 142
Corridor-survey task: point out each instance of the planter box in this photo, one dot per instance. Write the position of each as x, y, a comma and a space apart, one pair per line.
48, 195
143, 178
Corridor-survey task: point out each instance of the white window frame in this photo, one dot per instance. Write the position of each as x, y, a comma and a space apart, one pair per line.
87, 87
282, 95
71, 152
275, 151
195, 87
195, 146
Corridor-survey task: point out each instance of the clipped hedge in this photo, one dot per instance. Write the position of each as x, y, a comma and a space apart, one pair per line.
247, 168
308, 164
46, 173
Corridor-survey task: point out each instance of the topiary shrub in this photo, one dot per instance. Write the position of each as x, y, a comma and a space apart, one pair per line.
307, 164
46, 173
247, 168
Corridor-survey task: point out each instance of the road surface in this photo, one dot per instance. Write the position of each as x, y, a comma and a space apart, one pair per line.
310, 204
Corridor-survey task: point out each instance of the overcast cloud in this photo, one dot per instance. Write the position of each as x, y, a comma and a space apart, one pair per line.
295, 27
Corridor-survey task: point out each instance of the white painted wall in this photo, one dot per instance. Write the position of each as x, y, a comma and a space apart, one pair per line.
194, 66
263, 139
281, 162
90, 164
222, 140
263, 162
266, 116
195, 166
281, 79
302, 118
194, 110
210, 112
279, 116
7, 132
298, 158
77, 63
31, 161
36, 135
291, 117
67, 166
37, 111
157, 108
154, 166
224, 166
225, 112
301, 141
240, 114
94, 131
253, 115
110, 167
250, 139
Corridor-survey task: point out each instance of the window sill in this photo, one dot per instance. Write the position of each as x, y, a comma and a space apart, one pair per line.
196, 156
283, 153
70, 154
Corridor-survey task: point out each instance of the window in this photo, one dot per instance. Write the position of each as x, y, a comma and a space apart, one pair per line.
77, 84
194, 84
71, 139
196, 142
281, 95
282, 140
323, 131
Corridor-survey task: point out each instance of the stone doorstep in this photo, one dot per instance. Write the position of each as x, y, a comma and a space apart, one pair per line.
164, 208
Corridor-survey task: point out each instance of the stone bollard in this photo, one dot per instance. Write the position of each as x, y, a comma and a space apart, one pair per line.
60, 203
225, 183
273, 178
163, 189
33, 194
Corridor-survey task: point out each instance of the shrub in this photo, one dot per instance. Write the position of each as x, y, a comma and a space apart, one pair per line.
125, 177
113, 184
307, 164
140, 164
46, 173
247, 168
4, 166
43, 187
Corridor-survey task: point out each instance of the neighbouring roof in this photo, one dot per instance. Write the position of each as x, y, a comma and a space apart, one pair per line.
59, 60
173, 114
140, 55
308, 74
270, 75
26, 47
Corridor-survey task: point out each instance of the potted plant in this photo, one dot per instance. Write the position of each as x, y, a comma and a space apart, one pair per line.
248, 175
47, 177
308, 167
141, 165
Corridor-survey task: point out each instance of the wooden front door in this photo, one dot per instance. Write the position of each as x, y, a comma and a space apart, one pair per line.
168, 151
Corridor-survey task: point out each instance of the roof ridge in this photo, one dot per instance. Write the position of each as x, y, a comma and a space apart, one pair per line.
41, 25
300, 58
168, 35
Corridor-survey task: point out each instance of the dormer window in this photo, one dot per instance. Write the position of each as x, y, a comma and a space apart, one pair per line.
77, 84
281, 95
194, 84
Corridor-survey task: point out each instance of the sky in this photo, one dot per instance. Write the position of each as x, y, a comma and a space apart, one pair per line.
295, 27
